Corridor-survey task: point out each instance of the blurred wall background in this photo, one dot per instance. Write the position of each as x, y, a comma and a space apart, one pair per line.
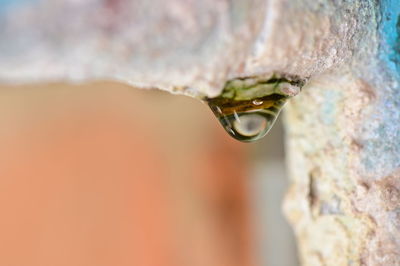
268, 184
105, 174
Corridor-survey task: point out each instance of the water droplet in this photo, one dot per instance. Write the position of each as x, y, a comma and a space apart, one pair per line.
248, 119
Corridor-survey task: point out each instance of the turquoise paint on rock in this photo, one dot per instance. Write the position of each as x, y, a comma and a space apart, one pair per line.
5, 5
390, 31
381, 131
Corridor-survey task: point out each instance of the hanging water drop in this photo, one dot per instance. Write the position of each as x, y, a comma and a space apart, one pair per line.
249, 107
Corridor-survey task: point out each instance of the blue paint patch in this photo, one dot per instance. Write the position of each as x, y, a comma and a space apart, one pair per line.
5, 5
381, 131
328, 110
390, 31
396, 57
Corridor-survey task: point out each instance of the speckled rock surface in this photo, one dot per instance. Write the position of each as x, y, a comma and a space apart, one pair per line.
178, 45
344, 155
184, 46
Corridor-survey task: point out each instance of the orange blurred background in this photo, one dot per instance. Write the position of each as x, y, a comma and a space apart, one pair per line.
105, 174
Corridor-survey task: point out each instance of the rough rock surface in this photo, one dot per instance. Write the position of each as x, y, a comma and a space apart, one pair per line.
174, 45
184, 46
344, 155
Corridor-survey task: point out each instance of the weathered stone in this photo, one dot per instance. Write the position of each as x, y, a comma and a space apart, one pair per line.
344, 155
182, 46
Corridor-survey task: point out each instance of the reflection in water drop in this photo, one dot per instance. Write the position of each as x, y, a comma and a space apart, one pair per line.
250, 125
257, 102
248, 112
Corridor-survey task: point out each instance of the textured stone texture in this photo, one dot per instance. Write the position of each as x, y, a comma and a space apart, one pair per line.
344, 154
184, 46
171, 45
